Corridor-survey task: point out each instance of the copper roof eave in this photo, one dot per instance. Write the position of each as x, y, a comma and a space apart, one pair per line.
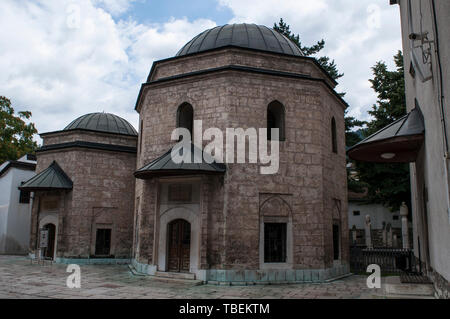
43, 189
405, 149
165, 166
51, 178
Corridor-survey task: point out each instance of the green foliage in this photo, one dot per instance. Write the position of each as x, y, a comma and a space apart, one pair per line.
354, 184
390, 89
388, 184
16, 136
353, 136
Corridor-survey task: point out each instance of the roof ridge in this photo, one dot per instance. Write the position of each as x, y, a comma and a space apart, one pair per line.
217, 36
276, 38
192, 42
288, 42
127, 125
248, 36
203, 40
115, 121
232, 32
262, 36
91, 116
98, 121
381, 130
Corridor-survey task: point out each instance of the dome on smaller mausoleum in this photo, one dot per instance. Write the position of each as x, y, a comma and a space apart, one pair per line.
102, 122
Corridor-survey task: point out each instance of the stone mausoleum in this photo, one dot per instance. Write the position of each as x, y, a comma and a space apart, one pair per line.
108, 193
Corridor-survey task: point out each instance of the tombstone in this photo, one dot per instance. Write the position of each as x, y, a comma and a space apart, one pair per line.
395, 241
405, 234
354, 235
368, 233
389, 234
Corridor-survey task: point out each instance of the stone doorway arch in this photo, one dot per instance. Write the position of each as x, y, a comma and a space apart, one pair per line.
170, 217
47, 219
49, 252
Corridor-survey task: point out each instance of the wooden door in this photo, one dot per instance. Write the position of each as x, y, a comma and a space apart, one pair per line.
179, 246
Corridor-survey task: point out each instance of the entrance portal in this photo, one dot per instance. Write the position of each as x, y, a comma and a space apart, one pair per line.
179, 233
50, 250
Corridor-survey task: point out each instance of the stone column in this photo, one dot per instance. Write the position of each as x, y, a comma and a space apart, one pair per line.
368, 233
405, 231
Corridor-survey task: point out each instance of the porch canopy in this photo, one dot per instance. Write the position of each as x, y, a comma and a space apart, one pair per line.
52, 178
193, 165
398, 142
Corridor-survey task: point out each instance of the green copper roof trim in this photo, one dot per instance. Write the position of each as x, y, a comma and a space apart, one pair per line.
164, 165
52, 178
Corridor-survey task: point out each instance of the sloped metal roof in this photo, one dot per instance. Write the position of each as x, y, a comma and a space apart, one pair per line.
102, 122
52, 178
402, 139
250, 36
164, 165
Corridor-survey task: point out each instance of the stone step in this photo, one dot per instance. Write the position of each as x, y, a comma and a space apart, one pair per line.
393, 287
175, 275
191, 282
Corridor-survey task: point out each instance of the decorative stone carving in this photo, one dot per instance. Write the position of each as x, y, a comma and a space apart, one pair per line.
275, 206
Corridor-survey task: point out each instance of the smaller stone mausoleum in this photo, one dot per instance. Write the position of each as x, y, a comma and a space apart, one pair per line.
84, 189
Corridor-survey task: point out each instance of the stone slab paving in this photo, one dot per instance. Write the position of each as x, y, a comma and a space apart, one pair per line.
21, 279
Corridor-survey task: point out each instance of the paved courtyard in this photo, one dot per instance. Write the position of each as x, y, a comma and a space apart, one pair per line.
20, 279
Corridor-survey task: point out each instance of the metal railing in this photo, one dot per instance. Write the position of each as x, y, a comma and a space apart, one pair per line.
390, 260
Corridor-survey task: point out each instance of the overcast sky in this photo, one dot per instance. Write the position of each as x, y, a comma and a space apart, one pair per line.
61, 59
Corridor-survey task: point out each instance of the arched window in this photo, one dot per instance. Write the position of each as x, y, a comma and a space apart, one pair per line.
275, 119
185, 117
333, 135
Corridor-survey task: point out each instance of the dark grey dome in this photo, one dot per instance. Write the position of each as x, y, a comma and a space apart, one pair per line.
243, 35
102, 122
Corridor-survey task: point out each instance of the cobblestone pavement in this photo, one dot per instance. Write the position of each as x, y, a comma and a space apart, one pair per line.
20, 279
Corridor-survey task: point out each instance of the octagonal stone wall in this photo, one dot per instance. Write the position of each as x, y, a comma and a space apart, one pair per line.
311, 177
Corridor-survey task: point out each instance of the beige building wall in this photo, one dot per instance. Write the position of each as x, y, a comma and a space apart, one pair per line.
429, 175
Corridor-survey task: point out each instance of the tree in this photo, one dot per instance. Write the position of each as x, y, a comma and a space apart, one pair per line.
324, 61
16, 136
390, 89
388, 184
